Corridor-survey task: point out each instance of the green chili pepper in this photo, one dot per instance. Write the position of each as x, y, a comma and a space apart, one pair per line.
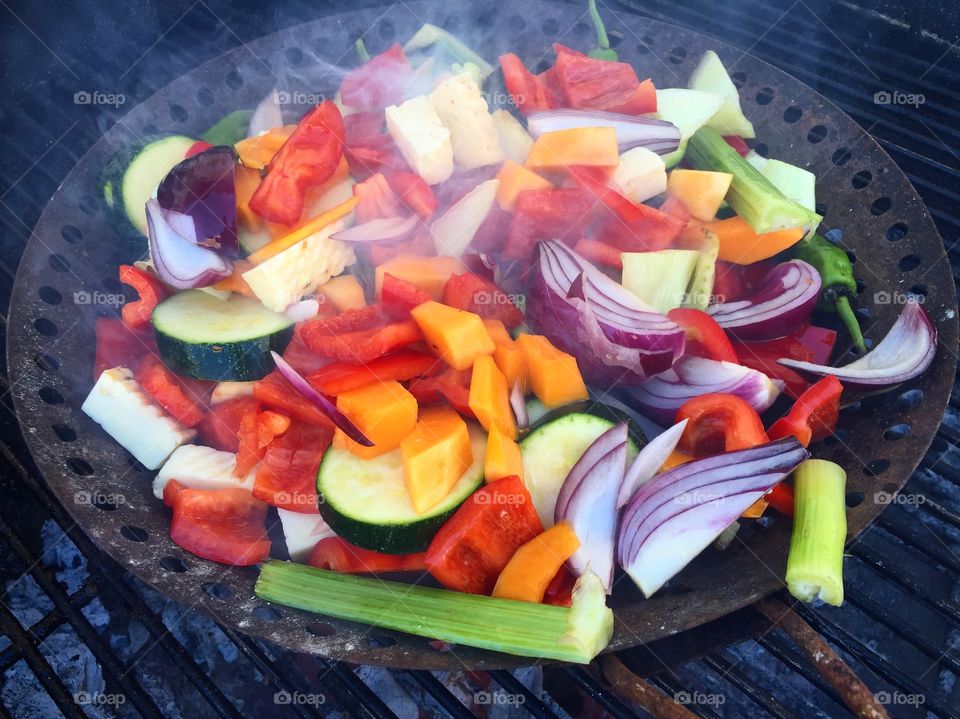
836, 273
602, 51
362, 50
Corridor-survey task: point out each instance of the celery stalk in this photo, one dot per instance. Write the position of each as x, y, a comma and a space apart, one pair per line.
815, 563
660, 279
570, 634
700, 290
751, 195
430, 34
794, 182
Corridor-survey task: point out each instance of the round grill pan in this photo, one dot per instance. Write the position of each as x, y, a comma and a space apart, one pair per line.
74, 253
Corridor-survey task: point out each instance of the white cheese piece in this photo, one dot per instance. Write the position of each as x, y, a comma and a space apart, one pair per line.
422, 138
515, 141
297, 271
302, 532
640, 175
230, 390
199, 467
128, 414
463, 110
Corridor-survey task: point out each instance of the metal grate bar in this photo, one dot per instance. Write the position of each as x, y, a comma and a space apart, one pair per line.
343, 676
729, 671
904, 526
778, 648
671, 687
599, 694
43, 628
532, 702
443, 696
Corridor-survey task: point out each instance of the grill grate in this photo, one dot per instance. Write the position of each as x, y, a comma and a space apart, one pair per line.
903, 572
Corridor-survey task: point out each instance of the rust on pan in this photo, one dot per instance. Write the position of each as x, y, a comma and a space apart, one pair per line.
75, 249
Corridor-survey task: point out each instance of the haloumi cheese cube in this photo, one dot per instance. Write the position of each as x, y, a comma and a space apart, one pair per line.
463, 110
422, 138
199, 467
302, 532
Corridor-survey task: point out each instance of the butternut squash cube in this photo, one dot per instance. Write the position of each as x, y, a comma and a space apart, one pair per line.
503, 457
553, 375
589, 146
515, 178
344, 293
490, 397
429, 274
384, 411
507, 355
456, 336
435, 456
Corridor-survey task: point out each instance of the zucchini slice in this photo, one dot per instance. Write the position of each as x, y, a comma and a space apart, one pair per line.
202, 336
366, 502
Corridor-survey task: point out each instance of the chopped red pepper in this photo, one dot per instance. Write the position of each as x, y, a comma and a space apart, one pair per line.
599, 253
120, 346
546, 215
359, 125
257, 430
733, 282
812, 344
275, 392
196, 148
781, 498
413, 191
451, 385
628, 226
303, 359
360, 345
738, 144
814, 415
375, 199
181, 397
492, 232
719, 423
475, 544
287, 474
704, 337
398, 296
673, 207
222, 525
592, 84
338, 377
151, 291
560, 590
374, 153
338, 555
308, 158
379, 82
473, 293
220, 426
421, 243
526, 89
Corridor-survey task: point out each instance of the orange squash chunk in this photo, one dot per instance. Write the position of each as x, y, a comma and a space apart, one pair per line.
502, 458
456, 336
507, 355
515, 178
384, 411
429, 274
343, 293
533, 566
489, 397
553, 375
247, 182
435, 455
583, 146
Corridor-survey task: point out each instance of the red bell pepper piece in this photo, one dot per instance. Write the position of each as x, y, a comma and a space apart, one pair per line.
421, 243
704, 337
413, 192
374, 153
673, 207
220, 426
117, 345
398, 296
196, 148
375, 199
378, 83
361, 345
560, 590
275, 392
738, 144
359, 125
223, 525
814, 415
338, 555
526, 89
592, 84
451, 385
813, 344
490, 234
287, 474
257, 430
364, 318
473, 293
719, 423
781, 498
338, 377
151, 291
181, 397
303, 359
546, 215
733, 282
599, 253
308, 158
475, 544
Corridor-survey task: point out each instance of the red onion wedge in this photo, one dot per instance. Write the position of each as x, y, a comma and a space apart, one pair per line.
588, 500
677, 514
381, 229
658, 136
303, 310
649, 461
518, 403
179, 260
660, 397
300, 384
615, 338
785, 300
267, 114
904, 353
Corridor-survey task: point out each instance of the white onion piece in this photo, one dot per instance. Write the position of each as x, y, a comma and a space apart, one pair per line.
649, 461
303, 310
519, 405
381, 229
179, 260
454, 230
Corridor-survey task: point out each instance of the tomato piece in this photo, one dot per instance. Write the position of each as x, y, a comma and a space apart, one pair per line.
399, 296
473, 293
526, 89
592, 84
151, 291
117, 345
719, 423
287, 474
361, 345
275, 392
599, 253
814, 414
338, 377
450, 385
222, 525
546, 215
475, 544
381, 81
220, 426
181, 397
704, 337
308, 158
413, 192
338, 555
